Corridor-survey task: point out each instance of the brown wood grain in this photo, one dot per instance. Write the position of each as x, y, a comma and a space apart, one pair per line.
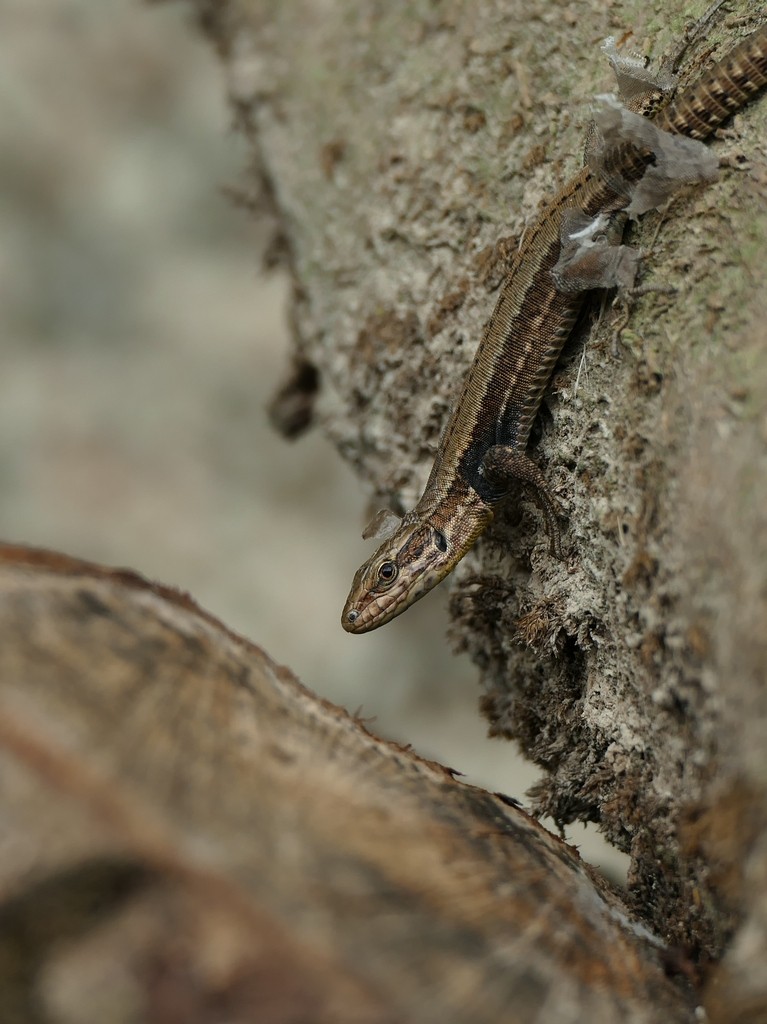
185, 821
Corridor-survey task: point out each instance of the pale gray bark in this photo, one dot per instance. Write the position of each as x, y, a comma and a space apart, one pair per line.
403, 143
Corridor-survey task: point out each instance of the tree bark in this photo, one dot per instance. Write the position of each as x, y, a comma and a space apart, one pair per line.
192, 835
404, 147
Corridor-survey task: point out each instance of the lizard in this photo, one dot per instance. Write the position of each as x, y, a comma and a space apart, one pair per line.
568, 250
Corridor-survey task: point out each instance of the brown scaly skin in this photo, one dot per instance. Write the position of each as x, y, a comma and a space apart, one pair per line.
481, 458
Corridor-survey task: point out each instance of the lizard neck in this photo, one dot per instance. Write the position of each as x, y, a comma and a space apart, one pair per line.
457, 510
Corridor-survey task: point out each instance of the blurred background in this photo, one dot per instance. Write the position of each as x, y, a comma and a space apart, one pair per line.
141, 341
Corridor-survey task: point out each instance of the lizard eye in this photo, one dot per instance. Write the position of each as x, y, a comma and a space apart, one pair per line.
440, 541
387, 573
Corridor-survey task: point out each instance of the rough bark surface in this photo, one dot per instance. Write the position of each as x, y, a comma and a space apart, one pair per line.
404, 146
191, 835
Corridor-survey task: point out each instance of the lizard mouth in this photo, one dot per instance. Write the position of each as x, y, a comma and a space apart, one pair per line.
365, 612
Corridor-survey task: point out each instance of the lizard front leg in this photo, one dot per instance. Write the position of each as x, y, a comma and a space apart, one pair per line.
504, 466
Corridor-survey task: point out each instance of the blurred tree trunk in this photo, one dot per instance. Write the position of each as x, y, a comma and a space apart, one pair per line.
190, 835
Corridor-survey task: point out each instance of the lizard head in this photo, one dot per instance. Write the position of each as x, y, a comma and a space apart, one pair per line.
411, 560
416, 554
